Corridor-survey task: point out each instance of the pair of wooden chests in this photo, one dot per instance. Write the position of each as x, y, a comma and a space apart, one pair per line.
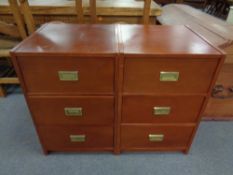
116, 87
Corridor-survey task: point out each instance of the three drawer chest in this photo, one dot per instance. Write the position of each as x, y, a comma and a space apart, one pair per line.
116, 87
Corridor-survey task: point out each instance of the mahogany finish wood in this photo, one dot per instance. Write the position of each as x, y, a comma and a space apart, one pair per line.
142, 75
170, 42
220, 34
97, 79
61, 39
136, 136
95, 110
118, 86
58, 138
139, 109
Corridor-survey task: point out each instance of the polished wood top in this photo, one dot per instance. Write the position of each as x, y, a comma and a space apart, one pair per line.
104, 7
57, 38
155, 40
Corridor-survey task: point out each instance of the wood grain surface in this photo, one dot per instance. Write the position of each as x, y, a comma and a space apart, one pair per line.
119, 85
220, 34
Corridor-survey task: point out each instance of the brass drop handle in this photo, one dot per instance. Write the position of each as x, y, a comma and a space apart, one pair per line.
161, 111
68, 75
156, 137
169, 76
77, 138
73, 112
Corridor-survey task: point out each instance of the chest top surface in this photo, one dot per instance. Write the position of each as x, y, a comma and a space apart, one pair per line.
57, 38
74, 39
164, 40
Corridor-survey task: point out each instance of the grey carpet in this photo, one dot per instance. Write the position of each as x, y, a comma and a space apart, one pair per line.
20, 152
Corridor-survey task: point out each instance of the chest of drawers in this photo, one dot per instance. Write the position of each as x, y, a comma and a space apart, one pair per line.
116, 87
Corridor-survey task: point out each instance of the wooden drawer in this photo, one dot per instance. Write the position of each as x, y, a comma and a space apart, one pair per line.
137, 136
41, 74
72, 110
57, 138
142, 75
161, 109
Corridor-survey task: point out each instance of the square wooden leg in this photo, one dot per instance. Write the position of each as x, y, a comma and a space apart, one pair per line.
2, 91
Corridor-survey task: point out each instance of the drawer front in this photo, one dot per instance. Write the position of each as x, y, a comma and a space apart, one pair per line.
147, 75
68, 74
161, 109
56, 137
152, 136
72, 110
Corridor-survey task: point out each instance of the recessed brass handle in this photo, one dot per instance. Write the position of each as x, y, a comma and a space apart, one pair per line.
77, 138
169, 76
156, 137
158, 111
68, 75
73, 112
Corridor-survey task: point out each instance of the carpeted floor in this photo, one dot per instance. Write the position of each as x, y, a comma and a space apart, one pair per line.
20, 152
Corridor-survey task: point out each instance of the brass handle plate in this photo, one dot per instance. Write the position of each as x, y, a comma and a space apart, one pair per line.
156, 137
73, 112
169, 76
77, 138
161, 110
68, 75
